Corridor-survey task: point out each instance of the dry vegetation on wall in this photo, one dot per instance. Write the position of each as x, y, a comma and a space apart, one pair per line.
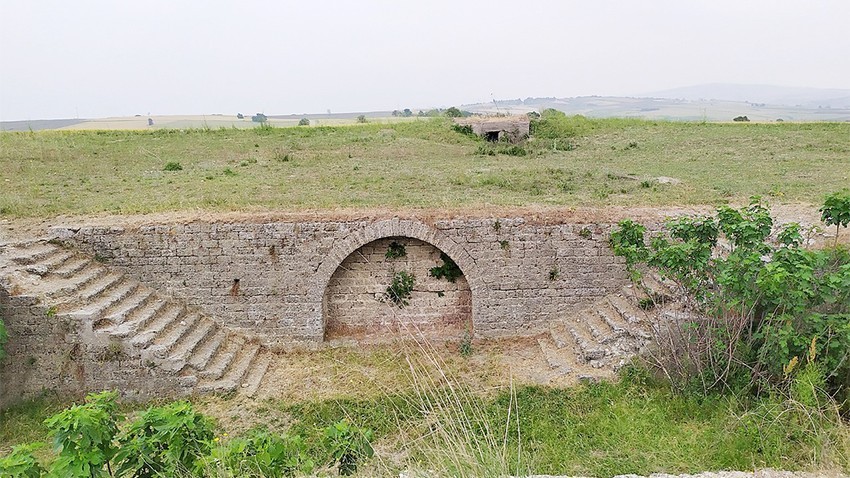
419, 164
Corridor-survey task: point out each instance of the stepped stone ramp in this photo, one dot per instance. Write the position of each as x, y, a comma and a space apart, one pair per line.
598, 340
113, 308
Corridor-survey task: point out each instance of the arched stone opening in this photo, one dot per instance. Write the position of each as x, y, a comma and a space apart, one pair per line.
357, 303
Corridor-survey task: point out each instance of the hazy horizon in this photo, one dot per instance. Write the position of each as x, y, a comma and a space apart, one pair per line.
94, 59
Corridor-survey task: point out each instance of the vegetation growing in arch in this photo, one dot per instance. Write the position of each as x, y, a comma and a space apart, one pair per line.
400, 289
447, 270
395, 251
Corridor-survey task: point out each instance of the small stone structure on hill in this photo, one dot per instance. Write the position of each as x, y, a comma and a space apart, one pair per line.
498, 128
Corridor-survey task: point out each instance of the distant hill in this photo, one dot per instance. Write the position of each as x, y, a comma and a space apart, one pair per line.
763, 94
673, 109
708, 102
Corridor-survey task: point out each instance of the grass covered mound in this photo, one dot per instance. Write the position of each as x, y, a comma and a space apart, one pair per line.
568, 161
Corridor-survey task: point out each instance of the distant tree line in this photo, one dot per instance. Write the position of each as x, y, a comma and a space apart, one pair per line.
452, 112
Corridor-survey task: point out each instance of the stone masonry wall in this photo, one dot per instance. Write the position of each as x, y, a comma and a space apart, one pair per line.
269, 278
48, 352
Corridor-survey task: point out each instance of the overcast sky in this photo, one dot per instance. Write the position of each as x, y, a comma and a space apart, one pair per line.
89, 59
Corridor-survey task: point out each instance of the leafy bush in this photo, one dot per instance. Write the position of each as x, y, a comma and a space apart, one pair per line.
174, 440
173, 166
83, 437
361, 119
764, 303
348, 446
304, 122
263, 454
21, 463
836, 210
164, 441
399, 290
513, 150
628, 242
465, 130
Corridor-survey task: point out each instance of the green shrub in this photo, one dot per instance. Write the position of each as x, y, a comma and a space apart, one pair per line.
401, 287
395, 251
513, 150
448, 270
836, 210
465, 130
628, 242
164, 441
485, 150
263, 454
348, 446
21, 463
764, 303
304, 122
83, 437
173, 166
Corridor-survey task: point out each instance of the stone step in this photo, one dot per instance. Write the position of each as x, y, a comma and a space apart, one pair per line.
560, 336
138, 298
220, 362
254, 379
59, 257
72, 266
238, 367
167, 339
33, 253
190, 340
588, 347
618, 326
599, 329
101, 286
77, 282
562, 360
207, 349
630, 313
137, 319
145, 336
97, 307
632, 318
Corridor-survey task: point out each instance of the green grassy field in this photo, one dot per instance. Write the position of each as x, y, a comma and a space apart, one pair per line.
591, 430
421, 164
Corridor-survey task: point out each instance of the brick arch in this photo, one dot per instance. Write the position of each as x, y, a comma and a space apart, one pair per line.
394, 228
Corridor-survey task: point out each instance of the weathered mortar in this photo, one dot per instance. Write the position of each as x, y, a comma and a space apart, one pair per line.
521, 274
